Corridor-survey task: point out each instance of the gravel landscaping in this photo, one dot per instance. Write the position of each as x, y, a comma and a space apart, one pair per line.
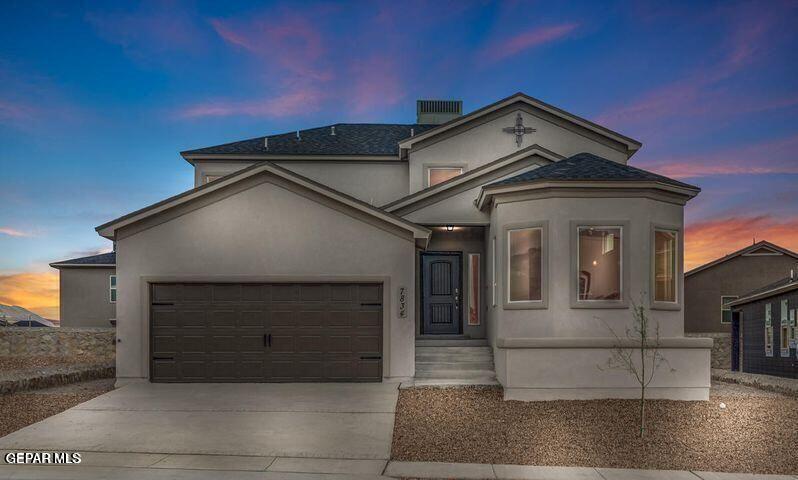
19, 410
756, 432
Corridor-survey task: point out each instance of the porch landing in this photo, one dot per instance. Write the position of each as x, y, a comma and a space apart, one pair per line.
453, 361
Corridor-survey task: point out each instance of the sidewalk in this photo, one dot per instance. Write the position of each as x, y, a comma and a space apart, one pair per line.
787, 386
526, 472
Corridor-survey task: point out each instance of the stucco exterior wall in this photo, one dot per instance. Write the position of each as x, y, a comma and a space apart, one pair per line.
736, 276
376, 183
264, 233
85, 297
487, 142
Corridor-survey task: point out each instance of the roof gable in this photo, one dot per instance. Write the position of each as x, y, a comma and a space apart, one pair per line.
109, 229
467, 180
749, 251
631, 144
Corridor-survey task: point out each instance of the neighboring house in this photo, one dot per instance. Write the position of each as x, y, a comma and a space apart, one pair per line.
327, 254
766, 320
710, 287
88, 291
13, 315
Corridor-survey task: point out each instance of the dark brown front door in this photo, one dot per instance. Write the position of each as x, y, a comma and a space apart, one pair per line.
248, 332
441, 293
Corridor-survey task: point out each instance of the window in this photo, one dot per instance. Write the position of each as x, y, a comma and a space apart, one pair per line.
473, 288
665, 251
525, 266
210, 178
436, 175
784, 334
725, 310
599, 267
493, 271
768, 331
112, 288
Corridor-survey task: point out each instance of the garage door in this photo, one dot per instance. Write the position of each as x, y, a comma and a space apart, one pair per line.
300, 332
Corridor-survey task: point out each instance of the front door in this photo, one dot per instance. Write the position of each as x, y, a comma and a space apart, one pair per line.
440, 293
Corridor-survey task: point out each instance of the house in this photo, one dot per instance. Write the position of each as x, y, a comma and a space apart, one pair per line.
329, 254
710, 287
87, 290
765, 324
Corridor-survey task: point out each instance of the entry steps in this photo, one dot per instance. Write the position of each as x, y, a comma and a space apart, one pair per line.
454, 362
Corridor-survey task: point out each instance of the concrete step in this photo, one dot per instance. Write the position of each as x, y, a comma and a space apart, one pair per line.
456, 374
453, 366
485, 350
443, 382
442, 342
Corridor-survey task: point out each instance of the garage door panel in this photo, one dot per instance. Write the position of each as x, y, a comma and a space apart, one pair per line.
220, 332
162, 317
253, 319
193, 319
222, 318
226, 293
195, 293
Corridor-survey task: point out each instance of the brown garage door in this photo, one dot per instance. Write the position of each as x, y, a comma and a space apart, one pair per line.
299, 332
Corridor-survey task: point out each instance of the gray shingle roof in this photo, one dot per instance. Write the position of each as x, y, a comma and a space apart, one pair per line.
589, 167
101, 259
349, 139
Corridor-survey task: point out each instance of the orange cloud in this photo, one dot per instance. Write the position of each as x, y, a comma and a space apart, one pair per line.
11, 232
708, 240
38, 292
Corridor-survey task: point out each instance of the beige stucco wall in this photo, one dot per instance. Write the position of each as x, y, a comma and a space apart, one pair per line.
264, 233
549, 369
487, 142
85, 297
376, 183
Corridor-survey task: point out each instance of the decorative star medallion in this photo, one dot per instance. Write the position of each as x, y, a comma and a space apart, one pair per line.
519, 129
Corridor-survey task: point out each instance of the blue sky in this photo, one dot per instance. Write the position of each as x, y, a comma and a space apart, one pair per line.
98, 98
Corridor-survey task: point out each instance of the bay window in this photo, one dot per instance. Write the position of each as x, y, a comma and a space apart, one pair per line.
599, 263
665, 265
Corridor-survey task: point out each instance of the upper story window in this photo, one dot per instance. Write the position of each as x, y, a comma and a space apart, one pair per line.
725, 309
210, 178
525, 265
665, 265
600, 263
112, 288
436, 175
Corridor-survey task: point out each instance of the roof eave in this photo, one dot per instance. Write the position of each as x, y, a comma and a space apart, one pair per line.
59, 266
488, 192
768, 293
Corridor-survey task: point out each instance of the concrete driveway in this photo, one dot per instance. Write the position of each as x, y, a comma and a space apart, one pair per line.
310, 428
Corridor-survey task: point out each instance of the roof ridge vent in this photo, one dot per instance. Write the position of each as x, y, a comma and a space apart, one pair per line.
436, 112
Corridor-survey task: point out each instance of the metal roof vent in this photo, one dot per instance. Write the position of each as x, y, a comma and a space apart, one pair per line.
435, 112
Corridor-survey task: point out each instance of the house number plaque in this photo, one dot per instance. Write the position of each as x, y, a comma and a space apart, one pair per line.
402, 302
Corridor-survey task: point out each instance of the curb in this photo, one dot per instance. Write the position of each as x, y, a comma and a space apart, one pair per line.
56, 378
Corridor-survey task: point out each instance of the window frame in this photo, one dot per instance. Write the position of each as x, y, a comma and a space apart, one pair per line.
543, 303
784, 330
769, 330
679, 272
471, 289
493, 297
427, 168
113, 290
575, 226
722, 309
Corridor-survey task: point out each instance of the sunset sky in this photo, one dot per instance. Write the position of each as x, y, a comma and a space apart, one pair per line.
98, 98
